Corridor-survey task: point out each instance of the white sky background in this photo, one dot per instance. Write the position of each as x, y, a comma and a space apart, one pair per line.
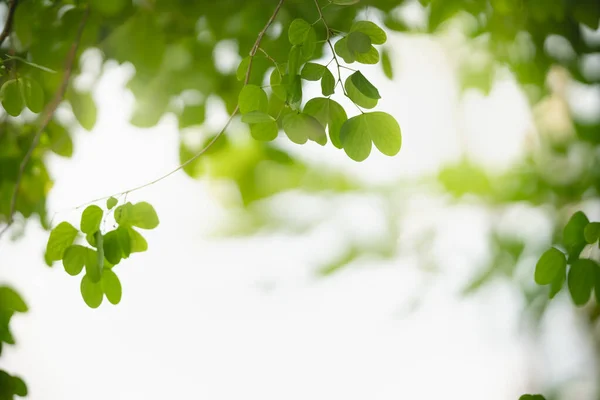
197, 321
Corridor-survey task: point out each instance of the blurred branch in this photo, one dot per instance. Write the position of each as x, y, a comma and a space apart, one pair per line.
46, 117
12, 5
255, 49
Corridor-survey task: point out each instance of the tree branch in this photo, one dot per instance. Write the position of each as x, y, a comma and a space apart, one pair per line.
46, 117
255, 49
12, 5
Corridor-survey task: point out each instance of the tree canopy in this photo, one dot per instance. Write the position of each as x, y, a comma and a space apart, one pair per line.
280, 46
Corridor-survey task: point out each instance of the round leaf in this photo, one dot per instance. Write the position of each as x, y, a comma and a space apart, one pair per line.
137, 241
364, 86
91, 219
112, 247
374, 32
330, 114
378, 127
264, 131
592, 232
298, 31
549, 266
581, 280
252, 98
111, 202
342, 50
357, 97
74, 259
91, 292
300, 127
12, 97
573, 234
60, 238
327, 83
111, 286
358, 42
256, 117
33, 95
312, 71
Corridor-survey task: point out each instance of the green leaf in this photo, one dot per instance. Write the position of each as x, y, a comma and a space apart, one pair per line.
294, 90
344, 2
532, 397
264, 131
252, 98
573, 234
294, 60
256, 117
61, 237
327, 83
91, 219
364, 86
112, 247
300, 127
94, 263
309, 45
84, 109
549, 266
74, 259
358, 132
558, 283
370, 57
582, 276
298, 31
358, 42
111, 286
374, 32
91, 292
276, 85
111, 202
592, 232
124, 241
12, 97
587, 12
312, 71
386, 64
342, 50
242, 69
33, 95
330, 114
143, 216
109, 8
20, 388
138, 243
60, 141
357, 97
10, 300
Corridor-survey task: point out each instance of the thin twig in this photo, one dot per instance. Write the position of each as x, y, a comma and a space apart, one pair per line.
328, 40
253, 51
46, 117
12, 5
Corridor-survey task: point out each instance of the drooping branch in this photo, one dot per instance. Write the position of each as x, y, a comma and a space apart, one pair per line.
12, 6
46, 117
253, 51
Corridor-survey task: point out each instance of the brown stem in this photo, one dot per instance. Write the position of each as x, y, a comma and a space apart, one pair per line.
46, 117
12, 5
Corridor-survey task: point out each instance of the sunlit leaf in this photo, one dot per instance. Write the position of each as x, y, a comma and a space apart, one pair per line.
264, 131
357, 96
300, 127
298, 31
12, 98
33, 95
252, 98
91, 292
111, 202
358, 132
256, 117
592, 232
61, 237
74, 259
573, 234
111, 286
91, 219
330, 114
312, 71
374, 32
